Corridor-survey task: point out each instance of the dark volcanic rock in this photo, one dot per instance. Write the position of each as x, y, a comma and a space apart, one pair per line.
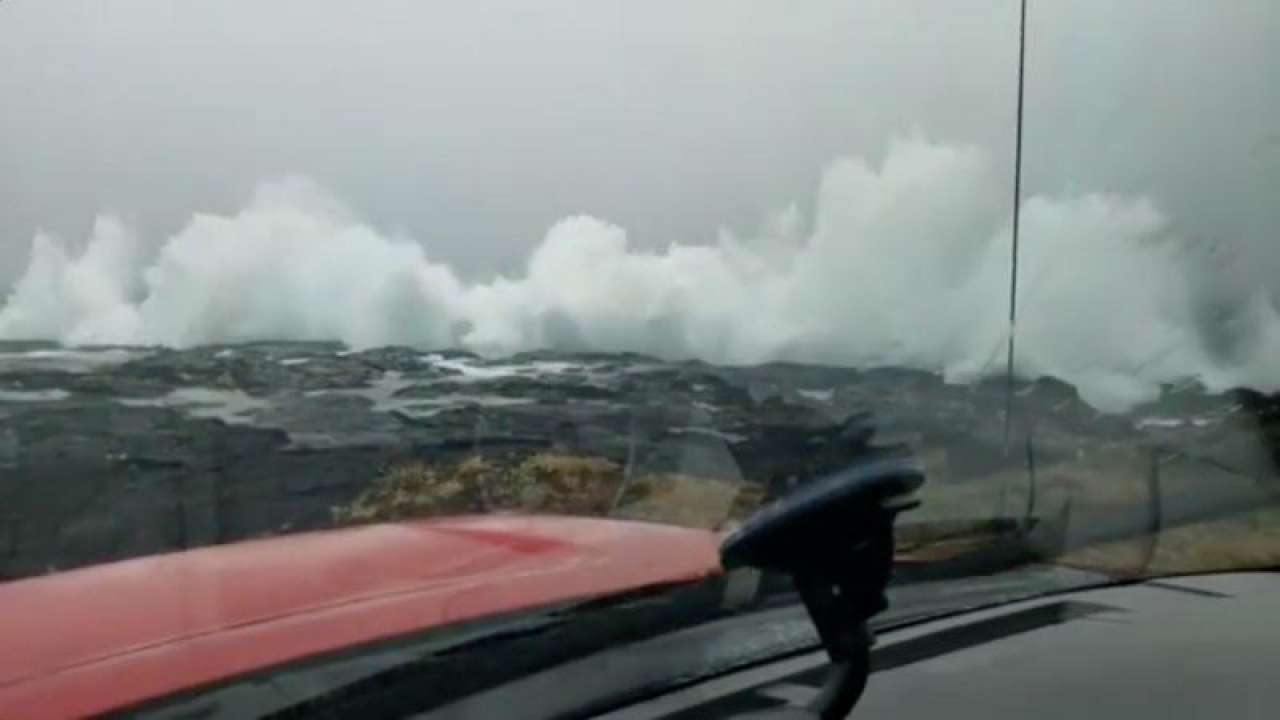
261, 371
164, 449
407, 360
32, 380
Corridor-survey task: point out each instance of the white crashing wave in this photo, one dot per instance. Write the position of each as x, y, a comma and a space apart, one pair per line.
905, 264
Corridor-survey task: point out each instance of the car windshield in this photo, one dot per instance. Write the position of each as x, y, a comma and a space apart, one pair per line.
275, 270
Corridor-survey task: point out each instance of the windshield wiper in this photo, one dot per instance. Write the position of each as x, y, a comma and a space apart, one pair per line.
834, 537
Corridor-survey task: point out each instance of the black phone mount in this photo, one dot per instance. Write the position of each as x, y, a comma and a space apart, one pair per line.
834, 537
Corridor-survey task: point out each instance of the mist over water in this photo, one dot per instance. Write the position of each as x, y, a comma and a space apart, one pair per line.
901, 264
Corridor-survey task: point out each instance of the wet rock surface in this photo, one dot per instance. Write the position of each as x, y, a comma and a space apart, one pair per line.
109, 453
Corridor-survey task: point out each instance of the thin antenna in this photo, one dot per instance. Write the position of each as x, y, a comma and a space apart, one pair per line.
1017, 208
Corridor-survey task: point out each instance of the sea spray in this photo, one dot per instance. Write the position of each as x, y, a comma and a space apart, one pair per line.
901, 264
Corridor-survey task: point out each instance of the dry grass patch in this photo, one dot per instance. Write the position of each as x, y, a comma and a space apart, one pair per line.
547, 482
544, 482
1240, 542
680, 500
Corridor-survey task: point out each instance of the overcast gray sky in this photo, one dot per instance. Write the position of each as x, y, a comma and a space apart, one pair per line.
472, 126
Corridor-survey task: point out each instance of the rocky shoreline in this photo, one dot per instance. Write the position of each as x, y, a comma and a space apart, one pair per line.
109, 453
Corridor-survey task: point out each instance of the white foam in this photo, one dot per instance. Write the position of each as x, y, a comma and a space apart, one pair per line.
48, 395
824, 396
234, 407
905, 264
728, 437
382, 392
1159, 422
67, 360
470, 370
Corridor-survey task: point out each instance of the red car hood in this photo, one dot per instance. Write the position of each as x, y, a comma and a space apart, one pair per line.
111, 636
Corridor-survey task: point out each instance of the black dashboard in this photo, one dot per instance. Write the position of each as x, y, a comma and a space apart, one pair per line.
1202, 646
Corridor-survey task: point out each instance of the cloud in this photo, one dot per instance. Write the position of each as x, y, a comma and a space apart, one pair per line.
472, 126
